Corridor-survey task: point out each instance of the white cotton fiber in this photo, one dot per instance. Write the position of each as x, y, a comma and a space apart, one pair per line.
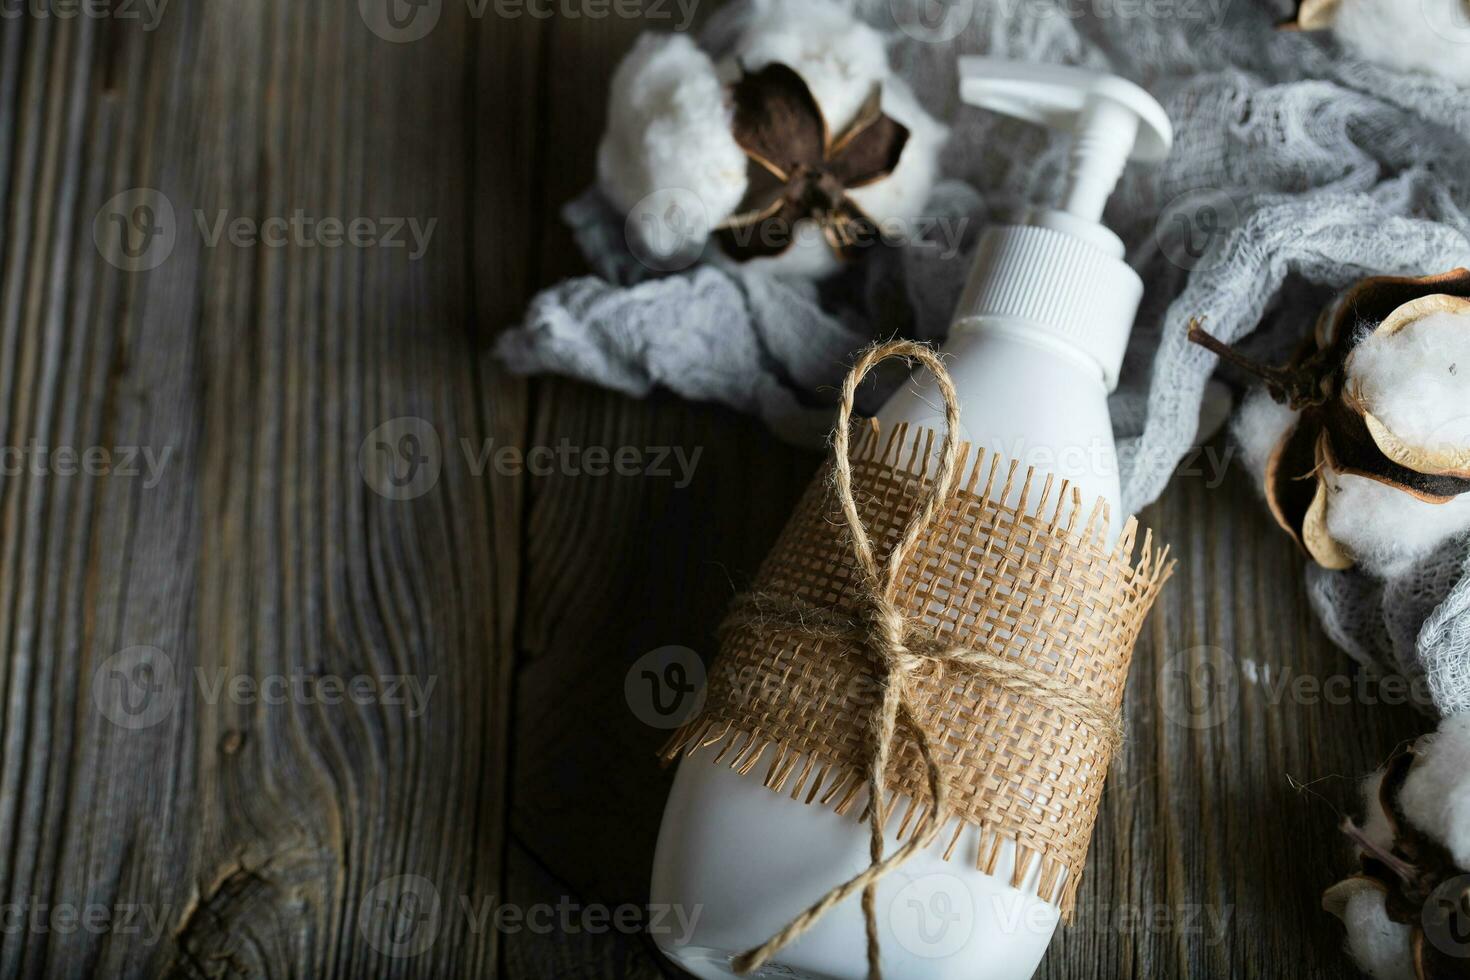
1380, 946
1387, 529
840, 58
1436, 796
1259, 426
669, 129
1431, 36
1417, 380
808, 256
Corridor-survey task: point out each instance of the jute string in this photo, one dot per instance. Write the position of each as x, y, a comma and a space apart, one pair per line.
768, 613
896, 648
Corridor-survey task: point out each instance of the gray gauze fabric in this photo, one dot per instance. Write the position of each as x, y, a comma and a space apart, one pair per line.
1296, 170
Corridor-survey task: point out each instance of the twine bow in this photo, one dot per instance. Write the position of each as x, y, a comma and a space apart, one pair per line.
897, 648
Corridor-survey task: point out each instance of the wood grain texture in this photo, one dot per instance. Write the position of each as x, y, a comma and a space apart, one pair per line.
263, 831
240, 838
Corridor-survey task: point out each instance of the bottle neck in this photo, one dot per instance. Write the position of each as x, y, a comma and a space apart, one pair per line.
1099, 236
1071, 290
965, 330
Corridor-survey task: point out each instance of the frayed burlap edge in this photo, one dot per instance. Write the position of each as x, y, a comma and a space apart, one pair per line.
1043, 525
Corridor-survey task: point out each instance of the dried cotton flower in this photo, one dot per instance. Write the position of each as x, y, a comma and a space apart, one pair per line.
1365, 457
1407, 910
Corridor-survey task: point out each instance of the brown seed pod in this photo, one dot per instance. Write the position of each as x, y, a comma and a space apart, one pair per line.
1339, 430
798, 169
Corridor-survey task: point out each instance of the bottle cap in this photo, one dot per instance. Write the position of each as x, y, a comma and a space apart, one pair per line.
1061, 273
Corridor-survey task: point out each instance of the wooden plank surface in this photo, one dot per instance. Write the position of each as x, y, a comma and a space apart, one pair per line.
262, 831
146, 770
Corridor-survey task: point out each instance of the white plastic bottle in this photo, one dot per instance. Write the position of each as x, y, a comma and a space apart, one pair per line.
1035, 348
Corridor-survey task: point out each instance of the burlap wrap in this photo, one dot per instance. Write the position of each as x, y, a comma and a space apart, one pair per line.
1033, 581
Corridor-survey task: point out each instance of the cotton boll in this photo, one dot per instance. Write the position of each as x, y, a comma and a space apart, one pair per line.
1434, 800
1430, 36
669, 130
893, 202
1259, 427
1436, 796
1416, 380
839, 57
1380, 946
670, 161
1386, 529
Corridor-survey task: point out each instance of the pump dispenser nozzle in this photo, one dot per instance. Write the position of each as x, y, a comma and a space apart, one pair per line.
1111, 120
1062, 272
